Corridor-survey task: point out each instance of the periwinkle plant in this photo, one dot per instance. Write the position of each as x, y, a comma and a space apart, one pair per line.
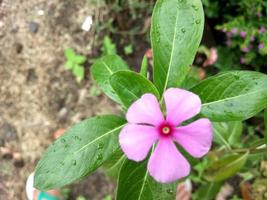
155, 127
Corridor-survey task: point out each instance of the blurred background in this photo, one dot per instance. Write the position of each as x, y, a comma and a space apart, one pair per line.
47, 48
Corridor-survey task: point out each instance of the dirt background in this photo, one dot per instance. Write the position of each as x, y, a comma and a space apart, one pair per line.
37, 96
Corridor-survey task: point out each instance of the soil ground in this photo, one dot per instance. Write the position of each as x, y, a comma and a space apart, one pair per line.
37, 96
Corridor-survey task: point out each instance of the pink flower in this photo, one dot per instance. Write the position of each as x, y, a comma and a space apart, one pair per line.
234, 30
261, 46
148, 127
242, 60
262, 29
213, 57
243, 34
245, 49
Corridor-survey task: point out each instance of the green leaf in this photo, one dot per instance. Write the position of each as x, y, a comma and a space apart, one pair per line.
227, 133
176, 32
114, 169
79, 59
233, 96
136, 184
130, 86
144, 67
265, 124
68, 65
225, 167
108, 48
103, 68
69, 54
207, 191
78, 71
128, 49
80, 151
192, 78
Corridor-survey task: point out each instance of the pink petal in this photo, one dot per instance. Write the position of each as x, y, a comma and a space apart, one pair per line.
195, 138
136, 140
145, 110
166, 163
181, 105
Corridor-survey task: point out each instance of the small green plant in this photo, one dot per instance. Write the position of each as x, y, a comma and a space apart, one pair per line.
74, 63
108, 48
128, 49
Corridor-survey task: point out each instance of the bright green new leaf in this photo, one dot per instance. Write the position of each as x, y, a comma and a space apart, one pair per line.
80, 151
177, 27
69, 54
136, 184
103, 68
233, 96
79, 59
225, 167
130, 86
78, 71
68, 65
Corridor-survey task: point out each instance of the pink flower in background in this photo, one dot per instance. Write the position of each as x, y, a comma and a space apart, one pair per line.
213, 57
228, 43
261, 46
245, 49
243, 34
252, 38
229, 34
234, 30
147, 127
242, 60
262, 29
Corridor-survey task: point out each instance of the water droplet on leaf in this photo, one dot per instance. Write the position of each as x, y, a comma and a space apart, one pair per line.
99, 157
195, 7
100, 146
74, 162
170, 191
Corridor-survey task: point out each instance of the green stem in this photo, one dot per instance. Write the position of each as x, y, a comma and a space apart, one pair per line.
250, 150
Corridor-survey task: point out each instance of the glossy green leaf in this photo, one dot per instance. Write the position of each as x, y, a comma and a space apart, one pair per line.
177, 27
265, 123
114, 164
136, 184
225, 167
233, 96
80, 151
130, 86
207, 191
103, 68
227, 133
144, 67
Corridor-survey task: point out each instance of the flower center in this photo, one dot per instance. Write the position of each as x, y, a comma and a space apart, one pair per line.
166, 130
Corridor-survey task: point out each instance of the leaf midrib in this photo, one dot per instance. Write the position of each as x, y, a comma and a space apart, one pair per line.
171, 57
98, 138
234, 162
109, 70
234, 97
